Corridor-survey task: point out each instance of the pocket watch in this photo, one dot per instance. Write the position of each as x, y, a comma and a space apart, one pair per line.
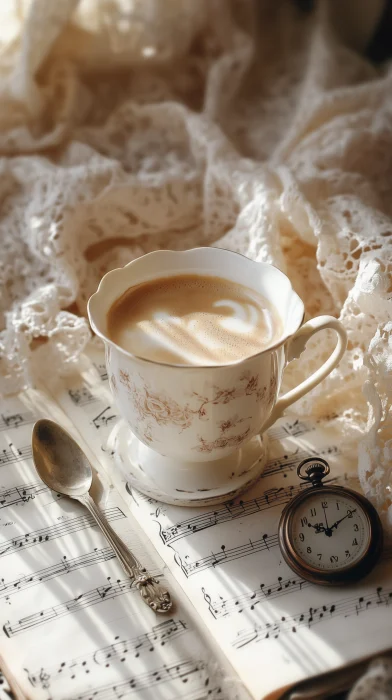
329, 534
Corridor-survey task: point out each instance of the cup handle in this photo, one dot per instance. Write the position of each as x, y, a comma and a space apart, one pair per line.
295, 348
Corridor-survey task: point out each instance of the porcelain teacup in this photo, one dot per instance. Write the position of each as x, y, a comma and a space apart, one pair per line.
198, 432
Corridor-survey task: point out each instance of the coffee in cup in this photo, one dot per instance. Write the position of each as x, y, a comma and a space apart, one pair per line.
193, 319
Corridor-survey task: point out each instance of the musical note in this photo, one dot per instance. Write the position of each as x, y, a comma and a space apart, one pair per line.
289, 462
118, 652
65, 527
81, 397
344, 607
104, 417
231, 511
62, 567
158, 637
182, 671
102, 371
248, 601
14, 420
189, 568
82, 601
295, 429
14, 454
19, 495
142, 496
110, 451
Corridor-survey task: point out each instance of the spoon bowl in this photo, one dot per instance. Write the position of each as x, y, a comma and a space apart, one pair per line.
59, 460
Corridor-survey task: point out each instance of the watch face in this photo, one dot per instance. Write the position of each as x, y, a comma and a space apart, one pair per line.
330, 531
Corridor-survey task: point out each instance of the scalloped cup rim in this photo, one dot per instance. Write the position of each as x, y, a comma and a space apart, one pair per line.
109, 276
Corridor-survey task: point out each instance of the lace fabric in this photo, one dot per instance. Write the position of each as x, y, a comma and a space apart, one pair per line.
375, 683
129, 126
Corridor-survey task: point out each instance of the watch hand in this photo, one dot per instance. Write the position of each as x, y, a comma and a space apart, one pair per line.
327, 530
325, 516
344, 518
318, 527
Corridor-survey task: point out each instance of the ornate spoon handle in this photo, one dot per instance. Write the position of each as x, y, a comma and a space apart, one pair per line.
153, 594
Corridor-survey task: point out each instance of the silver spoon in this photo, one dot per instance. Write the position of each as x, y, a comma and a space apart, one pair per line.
63, 466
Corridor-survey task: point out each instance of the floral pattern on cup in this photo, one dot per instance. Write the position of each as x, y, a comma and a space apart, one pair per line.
221, 442
162, 409
249, 386
230, 423
144, 432
273, 387
159, 408
225, 439
165, 410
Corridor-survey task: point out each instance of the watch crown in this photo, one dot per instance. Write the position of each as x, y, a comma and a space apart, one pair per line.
314, 470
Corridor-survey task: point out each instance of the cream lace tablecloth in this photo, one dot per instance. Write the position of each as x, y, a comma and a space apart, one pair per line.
129, 125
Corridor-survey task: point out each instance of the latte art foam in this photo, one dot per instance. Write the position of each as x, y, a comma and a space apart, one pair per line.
193, 320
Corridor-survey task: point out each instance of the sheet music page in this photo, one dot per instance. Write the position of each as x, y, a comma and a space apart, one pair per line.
274, 627
72, 626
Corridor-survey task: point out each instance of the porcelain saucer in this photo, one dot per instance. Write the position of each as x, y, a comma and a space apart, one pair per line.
186, 483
